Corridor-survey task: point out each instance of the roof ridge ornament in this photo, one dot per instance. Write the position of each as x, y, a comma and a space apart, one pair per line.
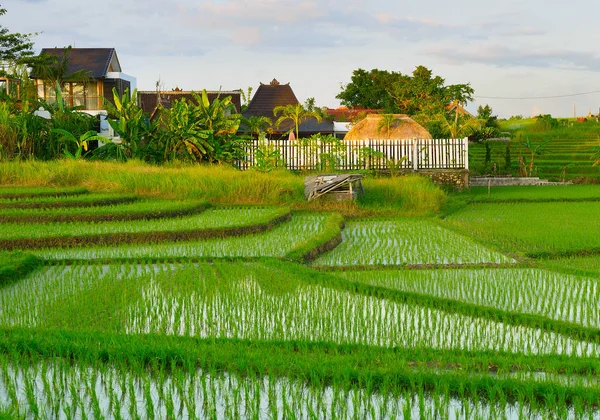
274, 82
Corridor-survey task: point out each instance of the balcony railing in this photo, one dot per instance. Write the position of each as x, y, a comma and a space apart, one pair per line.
87, 102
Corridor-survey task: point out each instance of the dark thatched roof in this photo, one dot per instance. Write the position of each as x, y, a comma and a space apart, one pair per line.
268, 97
97, 61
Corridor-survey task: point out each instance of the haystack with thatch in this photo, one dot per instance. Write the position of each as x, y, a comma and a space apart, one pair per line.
380, 126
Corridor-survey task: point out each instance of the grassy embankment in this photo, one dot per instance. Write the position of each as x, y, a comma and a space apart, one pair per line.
409, 195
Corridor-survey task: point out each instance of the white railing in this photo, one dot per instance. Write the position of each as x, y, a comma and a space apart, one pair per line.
370, 154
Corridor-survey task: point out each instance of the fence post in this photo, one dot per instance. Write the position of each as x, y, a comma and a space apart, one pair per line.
466, 152
415, 155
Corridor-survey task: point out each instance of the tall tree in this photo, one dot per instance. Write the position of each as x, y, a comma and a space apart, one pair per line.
14, 46
369, 89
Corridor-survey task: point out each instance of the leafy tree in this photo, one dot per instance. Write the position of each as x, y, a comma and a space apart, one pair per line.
369, 89
422, 95
296, 114
14, 46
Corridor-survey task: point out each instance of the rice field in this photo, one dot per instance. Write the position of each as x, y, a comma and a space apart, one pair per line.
406, 241
211, 219
137, 207
395, 318
575, 299
273, 243
535, 229
59, 389
252, 302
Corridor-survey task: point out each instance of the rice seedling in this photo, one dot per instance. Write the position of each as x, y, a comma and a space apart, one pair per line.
536, 229
563, 297
405, 241
276, 242
118, 391
255, 302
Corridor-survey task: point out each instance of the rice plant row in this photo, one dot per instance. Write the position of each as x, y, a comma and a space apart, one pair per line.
214, 218
255, 302
405, 241
562, 297
276, 242
141, 209
60, 389
83, 200
18, 193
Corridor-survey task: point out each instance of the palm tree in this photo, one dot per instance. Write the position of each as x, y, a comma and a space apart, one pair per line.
459, 127
257, 124
296, 113
386, 122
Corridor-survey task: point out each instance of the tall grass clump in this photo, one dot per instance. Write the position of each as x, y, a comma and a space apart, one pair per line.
216, 183
411, 194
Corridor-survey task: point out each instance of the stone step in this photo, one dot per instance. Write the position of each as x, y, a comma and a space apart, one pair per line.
506, 181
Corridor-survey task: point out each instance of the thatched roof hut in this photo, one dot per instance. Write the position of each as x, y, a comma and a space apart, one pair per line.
402, 127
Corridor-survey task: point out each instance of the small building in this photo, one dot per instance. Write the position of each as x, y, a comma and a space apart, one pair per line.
149, 100
105, 73
270, 96
401, 127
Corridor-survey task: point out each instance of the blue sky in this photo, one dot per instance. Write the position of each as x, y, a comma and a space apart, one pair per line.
504, 49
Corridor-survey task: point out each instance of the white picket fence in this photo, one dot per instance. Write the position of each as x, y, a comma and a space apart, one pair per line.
374, 154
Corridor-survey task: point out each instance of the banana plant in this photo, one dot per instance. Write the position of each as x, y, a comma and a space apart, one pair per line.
183, 136
129, 123
81, 142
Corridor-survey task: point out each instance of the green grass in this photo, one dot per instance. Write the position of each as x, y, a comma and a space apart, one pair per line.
533, 229
567, 155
